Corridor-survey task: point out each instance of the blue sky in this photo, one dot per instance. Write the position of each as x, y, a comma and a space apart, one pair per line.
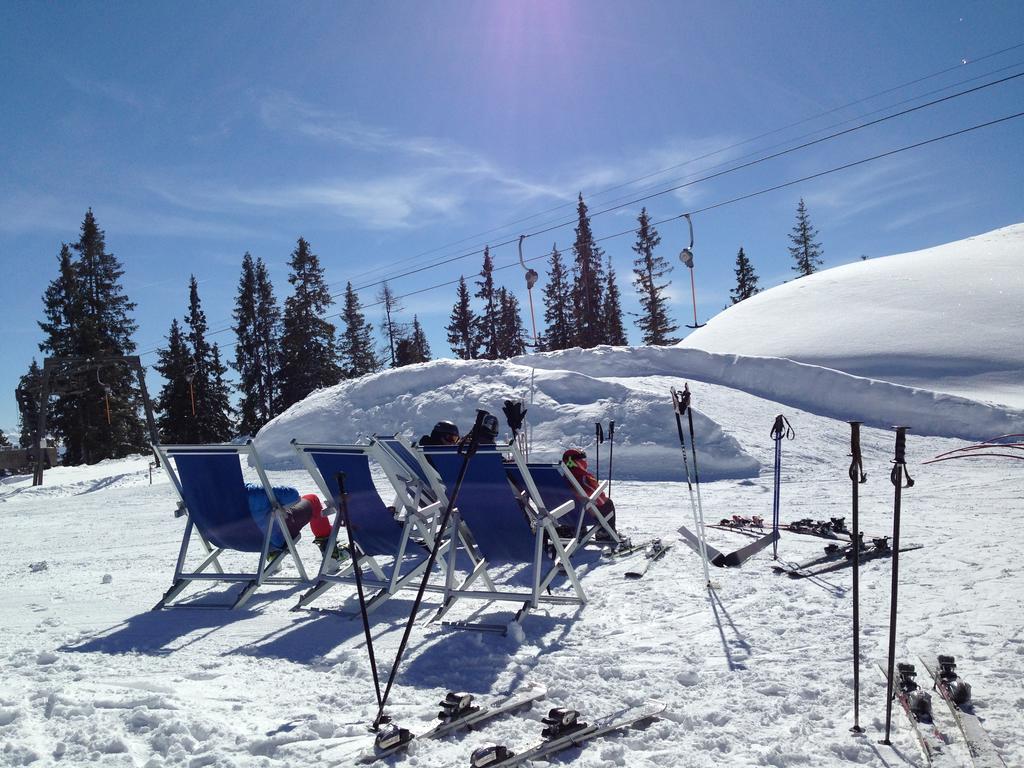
384, 131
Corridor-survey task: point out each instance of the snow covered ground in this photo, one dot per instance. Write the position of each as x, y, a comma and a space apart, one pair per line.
758, 674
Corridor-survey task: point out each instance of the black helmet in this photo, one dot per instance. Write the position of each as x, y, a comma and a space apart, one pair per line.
445, 429
489, 425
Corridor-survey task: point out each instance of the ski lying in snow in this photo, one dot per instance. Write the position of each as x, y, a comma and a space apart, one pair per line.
847, 562
625, 547
728, 559
957, 694
654, 553
565, 730
833, 528
917, 704
879, 547
457, 712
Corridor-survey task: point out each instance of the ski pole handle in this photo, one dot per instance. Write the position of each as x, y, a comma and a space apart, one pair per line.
599, 432
900, 461
857, 473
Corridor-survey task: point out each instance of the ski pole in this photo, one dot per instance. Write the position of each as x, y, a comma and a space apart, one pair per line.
598, 439
681, 405
611, 454
696, 476
780, 429
896, 476
357, 568
857, 476
474, 442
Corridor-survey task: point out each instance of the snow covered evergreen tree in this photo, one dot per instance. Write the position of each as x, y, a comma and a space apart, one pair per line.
257, 355
805, 252
511, 332
558, 305
27, 394
462, 326
88, 315
488, 343
746, 279
588, 323
648, 269
413, 347
611, 312
4, 442
174, 402
213, 412
309, 352
356, 348
392, 329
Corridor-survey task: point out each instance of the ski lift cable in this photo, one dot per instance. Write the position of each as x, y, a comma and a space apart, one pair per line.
561, 224
771, 132
677, 187
756, 193
711, 207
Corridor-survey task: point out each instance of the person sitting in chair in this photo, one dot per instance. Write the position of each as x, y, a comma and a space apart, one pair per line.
443, 433
298, 513
575, 460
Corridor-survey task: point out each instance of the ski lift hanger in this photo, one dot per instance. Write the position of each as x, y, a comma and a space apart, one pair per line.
686, 257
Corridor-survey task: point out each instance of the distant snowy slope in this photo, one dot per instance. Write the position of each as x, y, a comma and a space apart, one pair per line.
948, 318
566, 406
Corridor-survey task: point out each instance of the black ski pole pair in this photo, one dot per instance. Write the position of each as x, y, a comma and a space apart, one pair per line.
468, 450
598, 440
681, 405
899, 470
780, 429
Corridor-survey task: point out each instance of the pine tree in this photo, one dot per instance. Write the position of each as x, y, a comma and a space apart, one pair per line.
648, 268
511, 332
356, 350
175, 419
413, 348
589, 327
4, 442
27, 394
557, 305
309, 357
88, 315
487, 323
212, 421
392, 329
614, 332
746, 279
257, 329
805, 252
462, 326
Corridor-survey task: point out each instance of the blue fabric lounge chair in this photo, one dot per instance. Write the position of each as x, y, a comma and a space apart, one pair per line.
556, 485
509, 527
219, 506
403, 532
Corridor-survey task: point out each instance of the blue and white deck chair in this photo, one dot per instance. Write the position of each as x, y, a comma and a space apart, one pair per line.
214, 497
556, 485
404, 532
509, 528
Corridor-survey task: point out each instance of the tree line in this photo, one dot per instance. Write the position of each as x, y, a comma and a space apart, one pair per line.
282, 353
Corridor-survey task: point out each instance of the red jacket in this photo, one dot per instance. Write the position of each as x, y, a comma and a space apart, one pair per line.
586, 480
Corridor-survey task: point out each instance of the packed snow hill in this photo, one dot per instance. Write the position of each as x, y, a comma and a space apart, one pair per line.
757, 671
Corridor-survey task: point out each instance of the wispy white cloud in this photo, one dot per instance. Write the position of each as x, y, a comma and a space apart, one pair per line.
859, 190
111, 91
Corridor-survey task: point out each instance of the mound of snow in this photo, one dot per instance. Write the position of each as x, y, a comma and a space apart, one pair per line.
566, 406
812, 388
947, 318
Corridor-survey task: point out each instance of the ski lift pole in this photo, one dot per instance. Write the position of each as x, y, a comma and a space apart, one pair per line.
686, 256
857, 476
531, 280
899, 468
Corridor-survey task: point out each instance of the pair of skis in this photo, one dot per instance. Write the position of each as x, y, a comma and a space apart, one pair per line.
836, 558
564, 730
917, 705
654, 552
458, 712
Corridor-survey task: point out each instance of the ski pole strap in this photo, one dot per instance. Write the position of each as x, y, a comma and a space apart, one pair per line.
782, 429
598, 432
857, 473
899, 463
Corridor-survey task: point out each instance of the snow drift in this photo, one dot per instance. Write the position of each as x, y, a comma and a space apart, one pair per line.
566, 406
946, 318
